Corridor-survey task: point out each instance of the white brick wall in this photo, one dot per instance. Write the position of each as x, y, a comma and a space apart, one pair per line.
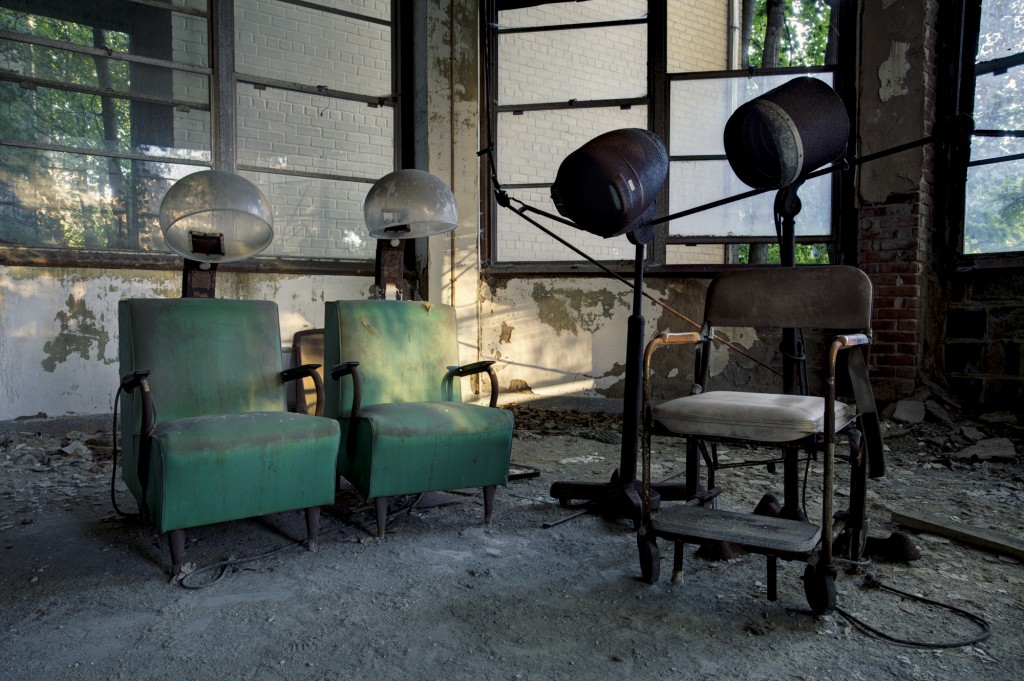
559, 66
598, 64
283, 130
698, 35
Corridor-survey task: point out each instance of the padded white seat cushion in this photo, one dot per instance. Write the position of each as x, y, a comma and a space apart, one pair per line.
763, 417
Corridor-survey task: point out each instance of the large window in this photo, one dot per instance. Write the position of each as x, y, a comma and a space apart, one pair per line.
994, 205
104, 104
777, 41
564, 72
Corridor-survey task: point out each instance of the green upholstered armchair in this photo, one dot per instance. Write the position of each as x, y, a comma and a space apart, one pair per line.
395, 389
205, 430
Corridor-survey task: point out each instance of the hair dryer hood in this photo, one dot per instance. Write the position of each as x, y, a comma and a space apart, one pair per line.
609, 186
779, 137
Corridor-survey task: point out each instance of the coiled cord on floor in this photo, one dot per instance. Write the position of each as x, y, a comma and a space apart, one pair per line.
184, 579
350, 527
872, 582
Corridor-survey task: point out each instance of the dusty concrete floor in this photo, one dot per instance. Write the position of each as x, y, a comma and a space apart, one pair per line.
84, 593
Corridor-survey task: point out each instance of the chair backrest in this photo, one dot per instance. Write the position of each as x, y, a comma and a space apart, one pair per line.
307, 348
206, 356
404, 350
819, 297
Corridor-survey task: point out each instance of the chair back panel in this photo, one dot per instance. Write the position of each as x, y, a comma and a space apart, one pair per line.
206, 356
820, 297
404, 350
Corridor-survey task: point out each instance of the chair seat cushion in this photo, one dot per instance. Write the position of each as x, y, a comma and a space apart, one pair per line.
763, 417
427, 446
209, 469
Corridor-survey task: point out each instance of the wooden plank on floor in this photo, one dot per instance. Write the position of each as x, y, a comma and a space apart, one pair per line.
961, 532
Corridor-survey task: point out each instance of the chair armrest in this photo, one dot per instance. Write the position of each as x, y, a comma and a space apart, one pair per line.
479, 367
308, 371
662, 339
687, 338
129, 383
853, 340
857, 367
350, 369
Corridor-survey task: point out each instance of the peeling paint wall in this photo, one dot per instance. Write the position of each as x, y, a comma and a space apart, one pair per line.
556, 337
892, 96
58, 327
567, 337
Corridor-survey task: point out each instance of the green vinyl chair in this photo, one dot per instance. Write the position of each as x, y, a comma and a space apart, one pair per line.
205, 429
395, 389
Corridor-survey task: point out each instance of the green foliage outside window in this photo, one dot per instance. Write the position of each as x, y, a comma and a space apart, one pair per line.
806, 254
994, 206
54, 198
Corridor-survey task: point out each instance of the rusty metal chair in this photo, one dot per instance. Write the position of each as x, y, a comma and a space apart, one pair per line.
835, 299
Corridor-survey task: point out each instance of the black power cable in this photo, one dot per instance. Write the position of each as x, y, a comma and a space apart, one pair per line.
872, 582
113, 468
183, 580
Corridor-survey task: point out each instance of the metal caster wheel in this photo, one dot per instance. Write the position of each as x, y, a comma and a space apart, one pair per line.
650, 557
820, 589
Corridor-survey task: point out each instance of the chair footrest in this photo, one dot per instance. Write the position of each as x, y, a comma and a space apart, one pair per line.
763, 534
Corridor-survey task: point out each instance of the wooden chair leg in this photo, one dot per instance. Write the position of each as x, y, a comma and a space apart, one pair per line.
312, 527
773, 578
489, 502
381, 504
176, 538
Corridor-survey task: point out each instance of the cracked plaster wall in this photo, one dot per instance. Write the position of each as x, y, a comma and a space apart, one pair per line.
554, 337
58, 327
567, 337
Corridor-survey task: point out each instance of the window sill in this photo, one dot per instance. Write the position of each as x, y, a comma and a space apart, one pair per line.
22, 256
526, 270
965, 264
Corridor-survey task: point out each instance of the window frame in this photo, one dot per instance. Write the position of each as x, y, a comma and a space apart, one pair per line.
490, 33
223, 80
843, 242
967, 33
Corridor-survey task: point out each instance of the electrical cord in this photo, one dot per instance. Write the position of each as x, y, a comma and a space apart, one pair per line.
872, 582
113, 469
351, 526
182, 580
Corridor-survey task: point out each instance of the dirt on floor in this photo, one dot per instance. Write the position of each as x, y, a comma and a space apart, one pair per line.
542, 593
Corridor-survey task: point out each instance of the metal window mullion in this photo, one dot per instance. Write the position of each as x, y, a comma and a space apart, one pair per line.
999, 66
224, 127
248, 167
181, 9
526, 185
14, 36
337, 12
260, 82
12, 77
749, 73
572, 27
997, 133
623, 103
105, 153
684, 158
